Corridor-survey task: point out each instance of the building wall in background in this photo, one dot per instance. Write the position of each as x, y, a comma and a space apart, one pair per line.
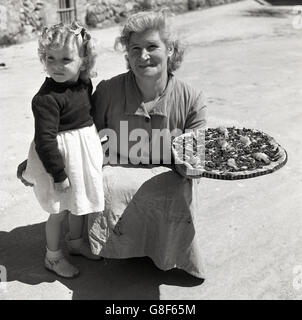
24, 19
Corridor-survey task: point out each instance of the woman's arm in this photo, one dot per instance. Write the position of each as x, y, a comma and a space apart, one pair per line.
99, 106
197, 114
196, 119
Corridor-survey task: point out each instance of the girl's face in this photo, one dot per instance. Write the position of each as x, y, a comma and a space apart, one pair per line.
148, 54
64, 64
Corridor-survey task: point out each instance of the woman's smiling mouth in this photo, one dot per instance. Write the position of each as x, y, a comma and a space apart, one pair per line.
146, 66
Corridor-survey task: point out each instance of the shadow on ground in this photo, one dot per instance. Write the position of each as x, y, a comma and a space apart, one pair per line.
22, 253
265, 12
283, 2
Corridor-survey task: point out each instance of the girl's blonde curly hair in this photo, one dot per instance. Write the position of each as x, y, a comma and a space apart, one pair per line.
65, 35
157, 21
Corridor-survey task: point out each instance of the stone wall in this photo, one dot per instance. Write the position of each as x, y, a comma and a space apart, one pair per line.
23, 19
20, 20
10, 24
101, 13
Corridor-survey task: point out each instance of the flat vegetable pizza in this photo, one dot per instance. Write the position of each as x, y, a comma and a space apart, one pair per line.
228, 153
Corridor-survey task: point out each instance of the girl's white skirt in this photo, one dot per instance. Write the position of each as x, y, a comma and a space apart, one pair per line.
83, 157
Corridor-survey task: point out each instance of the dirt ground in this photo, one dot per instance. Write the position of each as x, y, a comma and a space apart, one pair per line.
247, 58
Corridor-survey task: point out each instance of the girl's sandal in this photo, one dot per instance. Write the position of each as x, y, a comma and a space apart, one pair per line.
61, 267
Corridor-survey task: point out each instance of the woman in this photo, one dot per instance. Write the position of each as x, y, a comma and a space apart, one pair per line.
149, 207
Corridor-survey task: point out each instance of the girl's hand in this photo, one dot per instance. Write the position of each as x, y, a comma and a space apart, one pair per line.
62, 186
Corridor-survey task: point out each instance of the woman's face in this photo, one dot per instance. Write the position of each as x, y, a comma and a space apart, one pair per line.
148, 54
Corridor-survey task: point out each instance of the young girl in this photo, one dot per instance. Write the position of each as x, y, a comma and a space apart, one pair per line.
65, 158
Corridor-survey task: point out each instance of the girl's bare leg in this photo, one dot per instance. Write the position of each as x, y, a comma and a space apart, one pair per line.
53, 230
76, 224
75, 242
55, 260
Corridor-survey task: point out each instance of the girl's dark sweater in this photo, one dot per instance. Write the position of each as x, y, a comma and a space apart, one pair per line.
59, 107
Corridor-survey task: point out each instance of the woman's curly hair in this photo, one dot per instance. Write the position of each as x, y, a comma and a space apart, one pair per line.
61, 35
152, 20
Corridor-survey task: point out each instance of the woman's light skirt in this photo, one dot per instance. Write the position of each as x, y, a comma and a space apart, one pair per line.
149, 211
